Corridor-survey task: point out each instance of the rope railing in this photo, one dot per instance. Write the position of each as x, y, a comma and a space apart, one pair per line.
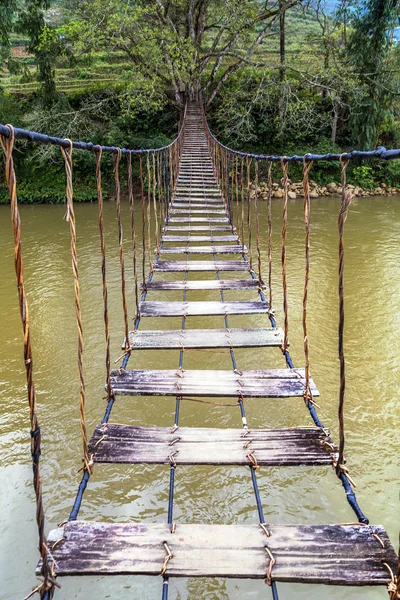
218, 150
167, 156
238, 175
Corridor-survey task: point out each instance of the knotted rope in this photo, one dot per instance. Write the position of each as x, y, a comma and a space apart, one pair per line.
70, 216
98, 155
285, 167
346, 200
47, 585
307, 206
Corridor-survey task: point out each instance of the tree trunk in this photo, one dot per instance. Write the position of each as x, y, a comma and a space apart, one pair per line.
282, 40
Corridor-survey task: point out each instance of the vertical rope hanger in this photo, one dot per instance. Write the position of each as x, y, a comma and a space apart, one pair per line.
285, 167
346, 200
117, 159
133, 230
155, 186
307, 205
98, 156
260, 280
242, 198
149, 258
70, 216
46, 588
250, 248
143, 224
269, 202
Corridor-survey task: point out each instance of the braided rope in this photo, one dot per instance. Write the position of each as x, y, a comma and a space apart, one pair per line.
149, 213
47, 586
346, 200
117, 159
269, 202
133, 230
250, 248
155, 186
307, 207
285, 167
242, 198
70, 216
260, 281
98, 155
143, 224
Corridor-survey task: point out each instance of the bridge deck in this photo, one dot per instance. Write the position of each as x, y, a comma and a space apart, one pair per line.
331, 554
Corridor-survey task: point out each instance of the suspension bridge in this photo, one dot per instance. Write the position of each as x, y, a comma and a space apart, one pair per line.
200, 214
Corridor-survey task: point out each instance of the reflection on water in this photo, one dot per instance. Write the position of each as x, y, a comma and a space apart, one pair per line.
203, 494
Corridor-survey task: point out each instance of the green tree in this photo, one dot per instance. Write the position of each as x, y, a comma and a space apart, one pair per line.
369, 47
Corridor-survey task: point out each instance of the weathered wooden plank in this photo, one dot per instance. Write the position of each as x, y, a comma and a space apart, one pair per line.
200, 265
188, 201
191, 309
199, 238
329, 554
213, 190
206, 338
204, 205
275, 383
198, 220
114, 443
189, 249
209, 227
205, 284
197, 211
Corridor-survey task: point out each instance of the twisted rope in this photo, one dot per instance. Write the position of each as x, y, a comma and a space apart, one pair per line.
98, 155
260, 281
285, 167
47, 585
149, 213
117, 159
155, 185
143, 224
269, 202
346, 200
133, 230
307, 206
70, 216
250, 248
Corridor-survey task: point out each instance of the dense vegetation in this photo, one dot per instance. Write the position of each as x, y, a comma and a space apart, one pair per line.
278, 76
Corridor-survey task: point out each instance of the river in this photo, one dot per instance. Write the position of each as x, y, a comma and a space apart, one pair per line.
203, 494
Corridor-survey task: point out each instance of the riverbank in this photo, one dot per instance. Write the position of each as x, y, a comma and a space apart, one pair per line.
318, 191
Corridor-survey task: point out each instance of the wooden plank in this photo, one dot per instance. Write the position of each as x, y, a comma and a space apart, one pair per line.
275, 383
197, 205
199, 238
188, 201
329, 554
199, 446
189, 189
189, 249
198, 309
200, 265
191, 220
197, 211
206, 338
205, 284
210, 227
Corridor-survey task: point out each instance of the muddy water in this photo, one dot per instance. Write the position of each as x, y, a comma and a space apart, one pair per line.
203, 494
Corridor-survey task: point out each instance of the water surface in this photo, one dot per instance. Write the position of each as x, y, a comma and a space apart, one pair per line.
203, 494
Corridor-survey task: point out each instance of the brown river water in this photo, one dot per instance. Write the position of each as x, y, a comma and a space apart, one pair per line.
203, 494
